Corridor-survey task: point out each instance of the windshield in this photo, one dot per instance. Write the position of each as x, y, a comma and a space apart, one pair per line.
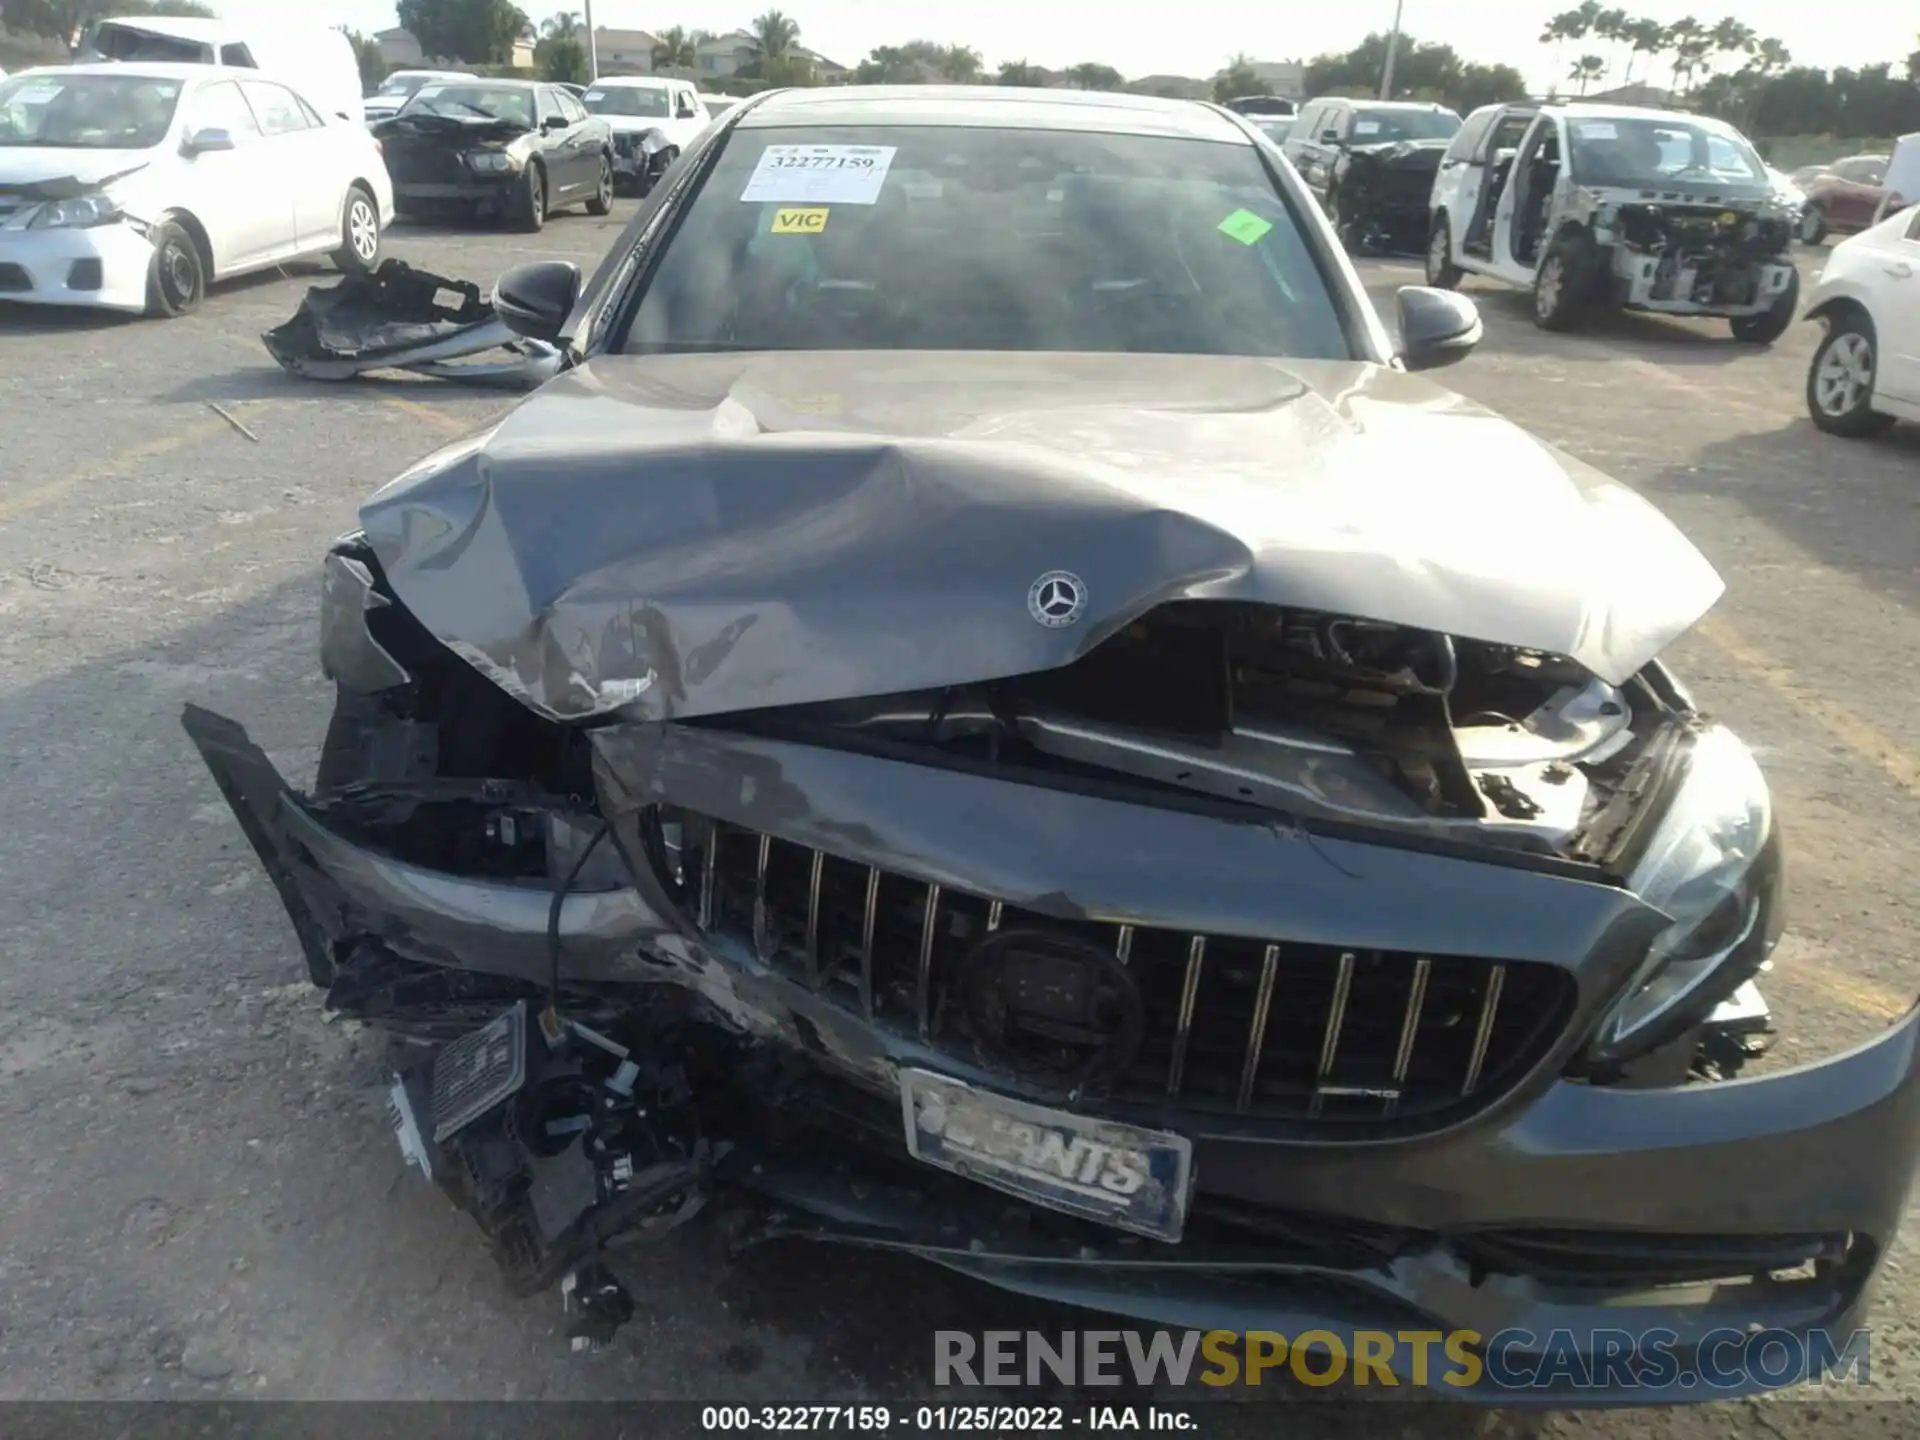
1625, 150
113, 41
1275, 127
1375, 126
403, 85
988, 239
645, 100
87, 112
473, 102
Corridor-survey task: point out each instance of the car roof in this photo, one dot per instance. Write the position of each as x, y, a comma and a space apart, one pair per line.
636, 82
178, 27
136, 69
994, 106
491, 83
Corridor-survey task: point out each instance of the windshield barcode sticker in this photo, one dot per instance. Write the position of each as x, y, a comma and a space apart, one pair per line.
819, 174
38, 93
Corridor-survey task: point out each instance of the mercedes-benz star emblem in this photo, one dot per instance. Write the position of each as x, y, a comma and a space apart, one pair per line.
1057, 598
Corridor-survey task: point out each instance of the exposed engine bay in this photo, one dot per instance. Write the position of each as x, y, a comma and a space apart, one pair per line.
1707, 259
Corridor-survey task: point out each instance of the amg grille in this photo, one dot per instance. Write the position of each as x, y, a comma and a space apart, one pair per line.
1269, 1029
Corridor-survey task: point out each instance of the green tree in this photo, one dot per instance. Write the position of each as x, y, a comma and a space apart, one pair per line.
1478, 85
888, 65
1649, 38
562, 57
677, 50
1587, 69
66, 20
960, 64
1089, 75
1019, 72
774, 34
479, 32
366, 54
1239, 79
563, 25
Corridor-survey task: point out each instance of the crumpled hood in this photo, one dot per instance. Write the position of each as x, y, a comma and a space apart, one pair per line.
62, 174
690, 535
451, 129
1403, 154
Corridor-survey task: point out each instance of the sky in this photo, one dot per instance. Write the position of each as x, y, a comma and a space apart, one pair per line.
1059, 33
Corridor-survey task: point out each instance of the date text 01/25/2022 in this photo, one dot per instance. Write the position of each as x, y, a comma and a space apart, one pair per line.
929, 1419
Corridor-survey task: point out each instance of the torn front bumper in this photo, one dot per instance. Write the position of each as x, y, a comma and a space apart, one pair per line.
102, 267
1559, 1207
1641, 285
405, 319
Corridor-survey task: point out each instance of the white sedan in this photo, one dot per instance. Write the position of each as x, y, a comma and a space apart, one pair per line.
1866, 373
132, 186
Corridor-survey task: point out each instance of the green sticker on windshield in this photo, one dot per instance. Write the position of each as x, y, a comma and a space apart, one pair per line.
1244, 226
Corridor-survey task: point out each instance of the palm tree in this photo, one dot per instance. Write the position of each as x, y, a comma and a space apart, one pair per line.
563, 25
1587, 69
1649, 38
1687, 39
1090, 75
676, 50
774, 35
1612, 26
960, 64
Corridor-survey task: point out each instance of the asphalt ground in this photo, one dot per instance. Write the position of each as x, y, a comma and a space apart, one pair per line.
202, 1199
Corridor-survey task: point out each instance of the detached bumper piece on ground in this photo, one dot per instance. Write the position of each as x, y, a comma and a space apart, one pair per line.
1059, 889
400, 318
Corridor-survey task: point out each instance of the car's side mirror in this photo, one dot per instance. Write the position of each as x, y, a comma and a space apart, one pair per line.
536, 300
1504, 155
1329, 137
205, 142
1437, 327
555, 122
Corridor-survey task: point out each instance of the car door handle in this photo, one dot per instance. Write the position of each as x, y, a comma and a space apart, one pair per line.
1900, 270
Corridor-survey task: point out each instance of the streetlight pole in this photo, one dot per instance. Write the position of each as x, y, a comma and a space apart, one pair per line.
593, 48
1393, 44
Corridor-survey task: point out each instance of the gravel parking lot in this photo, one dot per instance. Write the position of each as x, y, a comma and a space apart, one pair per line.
203, 1198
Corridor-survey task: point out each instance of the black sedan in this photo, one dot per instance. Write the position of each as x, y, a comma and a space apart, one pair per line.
502, 147
985, 713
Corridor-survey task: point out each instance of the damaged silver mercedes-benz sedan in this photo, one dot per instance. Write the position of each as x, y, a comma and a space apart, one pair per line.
986, 713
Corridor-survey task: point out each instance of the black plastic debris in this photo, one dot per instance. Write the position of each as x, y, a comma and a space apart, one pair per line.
400, 318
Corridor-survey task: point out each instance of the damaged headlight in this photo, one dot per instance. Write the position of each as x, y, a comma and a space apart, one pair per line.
490, 162
1714, 867
82, 213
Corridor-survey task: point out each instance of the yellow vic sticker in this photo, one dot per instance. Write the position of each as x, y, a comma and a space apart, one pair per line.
800, 222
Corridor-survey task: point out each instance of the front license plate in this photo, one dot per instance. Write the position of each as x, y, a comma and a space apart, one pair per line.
1120, 1175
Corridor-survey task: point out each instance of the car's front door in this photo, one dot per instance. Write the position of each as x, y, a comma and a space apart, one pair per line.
1519, 199
1897, 306
559, 141
241, 197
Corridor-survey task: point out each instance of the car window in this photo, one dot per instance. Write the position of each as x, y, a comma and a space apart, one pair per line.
223, 107
549, 105
1470, 136
570, 107
1373, 125
238, 57
988, 239
498, 102
685, 109
1626, 150
277, 108
1509, 134
639, 101
86, 112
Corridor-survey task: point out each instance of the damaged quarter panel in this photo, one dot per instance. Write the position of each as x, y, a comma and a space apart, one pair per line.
678, 536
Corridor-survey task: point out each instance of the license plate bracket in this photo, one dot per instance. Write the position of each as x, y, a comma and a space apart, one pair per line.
1125, 1176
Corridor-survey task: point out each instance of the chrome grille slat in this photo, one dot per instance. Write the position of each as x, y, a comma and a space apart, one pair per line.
814, 872
1257, 1033
762, 927
1268, 1029
923, 979
1183, 1026
1483, 1036
866, 940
